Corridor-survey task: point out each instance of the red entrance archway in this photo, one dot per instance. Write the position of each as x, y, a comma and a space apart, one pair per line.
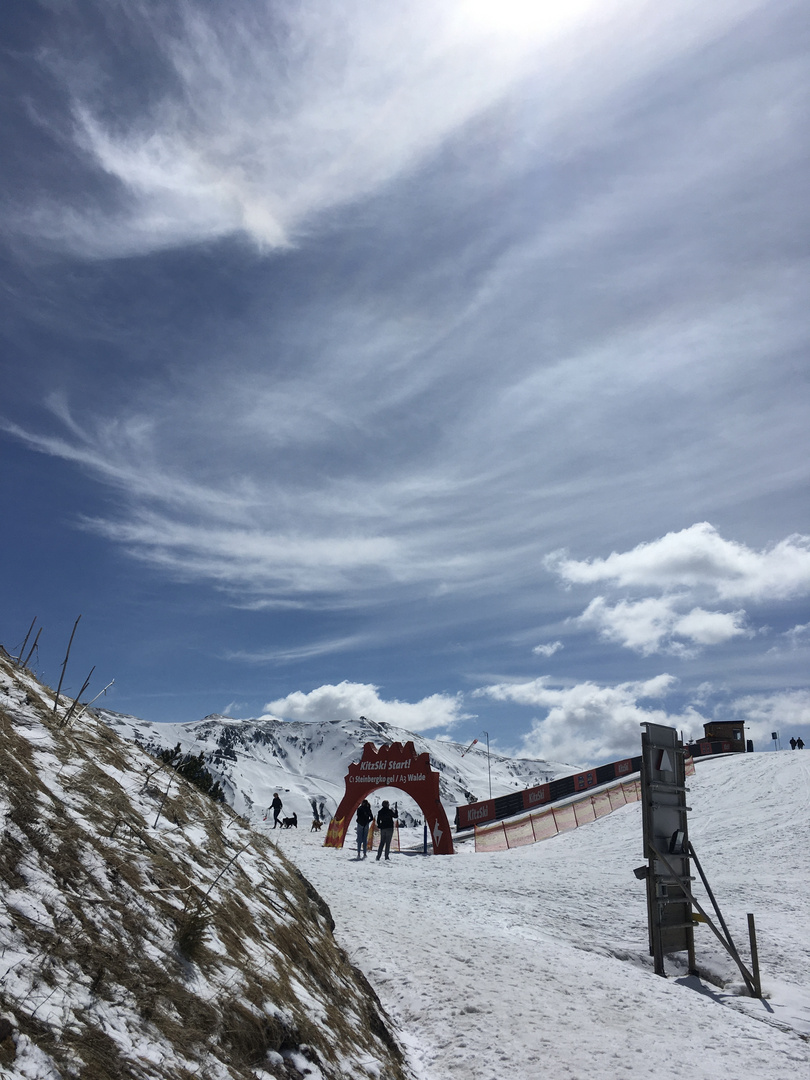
396, 766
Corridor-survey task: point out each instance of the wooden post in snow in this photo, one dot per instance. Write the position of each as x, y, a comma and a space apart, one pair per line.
64, 665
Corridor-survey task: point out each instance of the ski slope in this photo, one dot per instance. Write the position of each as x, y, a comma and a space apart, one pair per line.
534, 962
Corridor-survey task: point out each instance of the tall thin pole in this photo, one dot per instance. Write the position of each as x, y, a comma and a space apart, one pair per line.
64, 665
31, 653
27, 636
489, 770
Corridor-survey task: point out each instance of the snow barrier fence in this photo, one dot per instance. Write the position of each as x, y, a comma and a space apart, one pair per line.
543, 824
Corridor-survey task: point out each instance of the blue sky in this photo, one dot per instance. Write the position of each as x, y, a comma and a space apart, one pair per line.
444, 364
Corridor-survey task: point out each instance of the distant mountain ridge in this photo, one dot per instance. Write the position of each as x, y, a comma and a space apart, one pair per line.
306, 762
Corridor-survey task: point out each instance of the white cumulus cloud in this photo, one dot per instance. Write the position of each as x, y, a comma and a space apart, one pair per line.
783, 711
350, 700
711, 627
589, 723
699, 558
655, 624
548, 649
691, 570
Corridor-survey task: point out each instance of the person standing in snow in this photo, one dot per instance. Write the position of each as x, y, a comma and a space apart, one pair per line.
385, 823
800, 743
275, 806
365, 816
792, 744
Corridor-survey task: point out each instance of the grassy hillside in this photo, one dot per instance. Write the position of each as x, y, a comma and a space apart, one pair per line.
148, 932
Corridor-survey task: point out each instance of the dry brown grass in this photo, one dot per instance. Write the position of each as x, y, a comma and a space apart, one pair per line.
131, 921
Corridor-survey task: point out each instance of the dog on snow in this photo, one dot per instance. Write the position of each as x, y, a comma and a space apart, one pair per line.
316, 825
290, 822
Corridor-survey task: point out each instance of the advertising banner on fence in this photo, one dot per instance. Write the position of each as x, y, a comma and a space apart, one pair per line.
536, 796
516, 802
543, 824
475, 814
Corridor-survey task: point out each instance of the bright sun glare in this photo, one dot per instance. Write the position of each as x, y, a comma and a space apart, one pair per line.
535, 18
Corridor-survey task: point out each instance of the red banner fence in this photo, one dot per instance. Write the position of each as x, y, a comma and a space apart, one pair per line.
555, 819
544, 824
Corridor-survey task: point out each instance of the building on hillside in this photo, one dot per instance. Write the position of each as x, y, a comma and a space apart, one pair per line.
720, 737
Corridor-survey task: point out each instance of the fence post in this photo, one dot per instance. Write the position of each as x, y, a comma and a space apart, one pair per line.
752, 936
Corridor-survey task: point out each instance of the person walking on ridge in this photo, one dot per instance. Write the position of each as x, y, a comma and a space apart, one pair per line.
365, 816
385, 823
276, 805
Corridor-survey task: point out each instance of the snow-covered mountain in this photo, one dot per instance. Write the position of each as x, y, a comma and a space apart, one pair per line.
307, 762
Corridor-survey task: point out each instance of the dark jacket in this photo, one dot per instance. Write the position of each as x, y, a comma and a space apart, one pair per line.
365, 815
385, 818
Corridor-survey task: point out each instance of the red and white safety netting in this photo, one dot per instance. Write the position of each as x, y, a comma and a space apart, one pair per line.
373, 837
543, 824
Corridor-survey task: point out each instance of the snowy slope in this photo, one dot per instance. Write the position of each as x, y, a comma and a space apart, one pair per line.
534, 962
307, 762
519, 964
147, 933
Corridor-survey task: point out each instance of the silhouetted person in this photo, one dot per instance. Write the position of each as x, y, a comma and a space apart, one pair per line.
792, 744
800, 743
275, 806
365, 816
385, 823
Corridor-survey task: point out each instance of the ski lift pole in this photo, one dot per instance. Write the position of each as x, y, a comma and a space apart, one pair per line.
489, 769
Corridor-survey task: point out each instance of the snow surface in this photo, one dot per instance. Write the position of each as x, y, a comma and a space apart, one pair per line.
534, 962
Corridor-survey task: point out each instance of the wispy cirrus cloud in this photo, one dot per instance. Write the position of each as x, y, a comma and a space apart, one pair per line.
279, 115
325, 647
517, 276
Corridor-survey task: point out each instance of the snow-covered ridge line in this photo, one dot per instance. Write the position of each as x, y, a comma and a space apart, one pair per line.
306, 763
